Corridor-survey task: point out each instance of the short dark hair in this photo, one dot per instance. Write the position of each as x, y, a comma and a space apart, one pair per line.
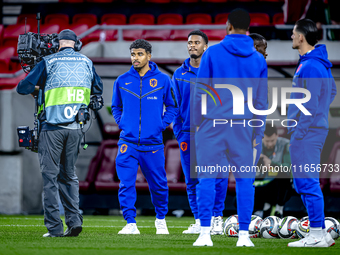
239, 18
308, 28
200, 33
141, 44
257, 38
270, 130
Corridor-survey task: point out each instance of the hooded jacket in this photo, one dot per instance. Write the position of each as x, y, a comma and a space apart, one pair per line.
233, 61
137, 106
184, 82
314, 74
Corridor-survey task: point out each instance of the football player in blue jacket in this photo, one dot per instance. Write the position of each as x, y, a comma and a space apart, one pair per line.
139, 96
228, 70
184, 130
310, 127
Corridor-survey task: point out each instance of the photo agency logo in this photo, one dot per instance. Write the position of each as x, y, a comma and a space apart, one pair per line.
244, 104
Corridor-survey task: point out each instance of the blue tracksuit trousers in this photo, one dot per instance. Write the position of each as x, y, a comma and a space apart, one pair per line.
227, 146
152, 164
186, 142
305, 154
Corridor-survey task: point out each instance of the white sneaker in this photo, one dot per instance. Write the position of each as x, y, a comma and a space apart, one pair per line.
129, 229
161, 227
217, 226
244, 241
193, 229
50, 235
203, 240
329, 240
310, 241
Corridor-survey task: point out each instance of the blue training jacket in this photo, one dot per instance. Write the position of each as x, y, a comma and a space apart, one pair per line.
137, 106
314, 74
233, 61
183, 87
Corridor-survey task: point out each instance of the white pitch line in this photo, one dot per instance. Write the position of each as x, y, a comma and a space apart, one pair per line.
41, 219
90, 226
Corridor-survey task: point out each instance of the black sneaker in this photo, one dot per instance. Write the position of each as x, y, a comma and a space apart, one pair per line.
73, 231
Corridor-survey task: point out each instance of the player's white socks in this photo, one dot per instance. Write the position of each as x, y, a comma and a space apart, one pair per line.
317, 232
198, 222
243, 233
205, 230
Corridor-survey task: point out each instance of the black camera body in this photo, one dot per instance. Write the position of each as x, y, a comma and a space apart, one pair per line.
28, 138
33, 47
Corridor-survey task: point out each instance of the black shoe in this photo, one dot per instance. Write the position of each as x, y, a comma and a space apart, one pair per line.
73, 231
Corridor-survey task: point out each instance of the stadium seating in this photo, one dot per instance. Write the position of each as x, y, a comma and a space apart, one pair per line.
5, 57
215, 35
170, 18
85, 18
259, 19
221, 18
186, 1
278, 19
163, 19
11, 34
31, 20
180, 35
49, 29
198, 18
138, 19
99, 1
1, 33
215, 1
62, 20
113, 19
79, 29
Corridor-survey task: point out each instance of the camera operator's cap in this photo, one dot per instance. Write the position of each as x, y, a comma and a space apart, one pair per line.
67, 34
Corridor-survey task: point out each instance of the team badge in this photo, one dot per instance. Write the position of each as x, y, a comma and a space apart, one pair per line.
123, 148
184, 146
153, 83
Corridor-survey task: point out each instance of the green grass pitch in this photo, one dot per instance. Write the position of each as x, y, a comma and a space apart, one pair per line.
23, 235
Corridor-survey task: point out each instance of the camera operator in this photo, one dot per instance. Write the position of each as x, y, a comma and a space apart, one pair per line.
67, 80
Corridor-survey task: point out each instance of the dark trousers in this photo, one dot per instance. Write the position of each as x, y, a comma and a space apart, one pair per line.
58, 153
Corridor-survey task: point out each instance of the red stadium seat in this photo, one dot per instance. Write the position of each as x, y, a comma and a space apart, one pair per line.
5, 58
180, 35
142, 18
85, 18
49, 29
170, 19
79, 29
62, 20
198, 18
156, 35
138, 19
163, 19
11, 33
1, 32
221, 18
215, 35
102, 166
242, 0
31, 20
158, 1
259, 19
113, 19
278, 19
